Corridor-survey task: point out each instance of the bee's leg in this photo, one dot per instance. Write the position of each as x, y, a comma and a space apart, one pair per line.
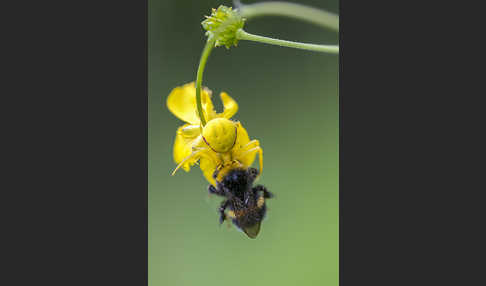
217, 191
222, 208
266, 193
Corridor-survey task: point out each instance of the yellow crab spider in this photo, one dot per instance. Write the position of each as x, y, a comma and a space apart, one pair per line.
222, 148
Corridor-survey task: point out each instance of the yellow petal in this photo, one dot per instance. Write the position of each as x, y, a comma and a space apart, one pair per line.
182, 103
230, 105
183, 144
241, 140
208, 167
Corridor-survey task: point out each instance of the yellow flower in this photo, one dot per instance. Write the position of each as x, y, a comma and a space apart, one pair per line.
221, 145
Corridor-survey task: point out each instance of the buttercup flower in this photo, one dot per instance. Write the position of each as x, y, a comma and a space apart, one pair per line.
222, 144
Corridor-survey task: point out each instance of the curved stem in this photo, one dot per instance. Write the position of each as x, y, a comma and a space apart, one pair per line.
292, 10
332, 49
200, 70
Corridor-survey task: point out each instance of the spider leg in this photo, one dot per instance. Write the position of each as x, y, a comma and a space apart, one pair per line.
252, 143
190, 131
252, 146
197, 153
216, 172
260, 156
193, 155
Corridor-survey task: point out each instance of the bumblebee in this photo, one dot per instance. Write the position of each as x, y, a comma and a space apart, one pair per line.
244, 203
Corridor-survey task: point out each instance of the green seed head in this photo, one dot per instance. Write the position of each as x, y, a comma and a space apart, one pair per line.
222, 24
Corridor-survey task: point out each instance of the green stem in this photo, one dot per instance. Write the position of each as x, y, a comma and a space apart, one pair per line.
292, 10
200, 70
242, 35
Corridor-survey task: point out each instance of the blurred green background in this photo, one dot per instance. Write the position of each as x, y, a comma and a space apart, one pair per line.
288, 100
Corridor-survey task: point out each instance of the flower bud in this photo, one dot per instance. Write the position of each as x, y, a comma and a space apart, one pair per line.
223, 24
